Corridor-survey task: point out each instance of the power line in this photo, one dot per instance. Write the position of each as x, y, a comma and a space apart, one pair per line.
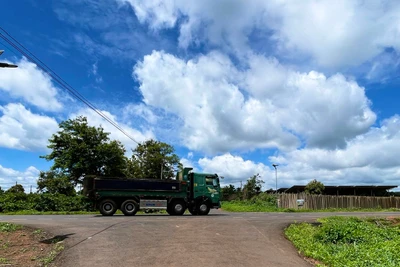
31, 57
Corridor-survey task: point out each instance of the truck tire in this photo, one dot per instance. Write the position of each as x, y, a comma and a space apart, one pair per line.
177, 207
129, 207
192, 210
108, 207
203, 208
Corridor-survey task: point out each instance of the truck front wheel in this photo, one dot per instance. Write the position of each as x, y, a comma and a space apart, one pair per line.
107, 207
203, 208
129, 207
177, 207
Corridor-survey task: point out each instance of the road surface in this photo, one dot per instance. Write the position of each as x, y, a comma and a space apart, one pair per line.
219, 239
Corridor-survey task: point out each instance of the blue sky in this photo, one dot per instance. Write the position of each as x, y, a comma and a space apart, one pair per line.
234, 86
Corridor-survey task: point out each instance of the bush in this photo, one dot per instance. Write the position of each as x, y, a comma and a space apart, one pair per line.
10, 202
348, 241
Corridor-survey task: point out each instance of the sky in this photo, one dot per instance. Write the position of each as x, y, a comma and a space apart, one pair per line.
235, 86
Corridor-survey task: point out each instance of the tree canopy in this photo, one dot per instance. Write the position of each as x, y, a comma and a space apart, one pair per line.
252, 186
79, 149
55, 183
152, 158
18, 188
314, 187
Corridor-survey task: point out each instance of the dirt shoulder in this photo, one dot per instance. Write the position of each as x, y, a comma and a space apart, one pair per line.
24, 246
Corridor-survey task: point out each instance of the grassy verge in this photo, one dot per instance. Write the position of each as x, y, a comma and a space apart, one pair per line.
349, 241
249, 206
23, 246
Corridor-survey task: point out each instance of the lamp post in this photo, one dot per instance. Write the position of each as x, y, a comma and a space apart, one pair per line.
6, 65
276, 177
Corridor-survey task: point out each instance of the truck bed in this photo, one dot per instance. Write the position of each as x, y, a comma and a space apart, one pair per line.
100, 184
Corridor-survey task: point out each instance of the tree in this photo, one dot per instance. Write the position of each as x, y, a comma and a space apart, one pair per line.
151, 158
55, 183
16, 189
252, 186
314, 187
228, 192
1, 190
79, 149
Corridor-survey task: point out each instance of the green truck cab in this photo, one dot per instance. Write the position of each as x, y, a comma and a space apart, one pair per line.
196, 192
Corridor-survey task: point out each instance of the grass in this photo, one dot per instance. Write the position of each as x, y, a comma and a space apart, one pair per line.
35, 212
9, 227
53, 254
349, 241
264, 206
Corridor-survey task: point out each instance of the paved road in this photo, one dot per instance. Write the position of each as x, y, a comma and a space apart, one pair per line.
220, 239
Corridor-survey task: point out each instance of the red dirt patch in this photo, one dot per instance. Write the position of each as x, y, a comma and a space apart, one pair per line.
27, 247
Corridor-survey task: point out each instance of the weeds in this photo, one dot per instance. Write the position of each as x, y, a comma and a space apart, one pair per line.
348, 241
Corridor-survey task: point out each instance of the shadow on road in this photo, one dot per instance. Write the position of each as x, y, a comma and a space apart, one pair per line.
56, 239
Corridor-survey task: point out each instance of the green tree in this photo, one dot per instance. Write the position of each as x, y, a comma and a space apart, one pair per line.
1, 190
314, 187
79, 149
252, 186
16, 189
55, 183
150, 158
228, 192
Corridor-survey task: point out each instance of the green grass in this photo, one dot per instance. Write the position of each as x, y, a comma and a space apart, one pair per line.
53, 254
9, 227
265, 206
348, 241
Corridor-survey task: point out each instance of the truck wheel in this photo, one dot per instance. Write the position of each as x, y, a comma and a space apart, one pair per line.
107, 207
192, 210
129, 207
203, 208
178, 207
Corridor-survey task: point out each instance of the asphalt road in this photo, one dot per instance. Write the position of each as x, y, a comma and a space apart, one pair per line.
219, 239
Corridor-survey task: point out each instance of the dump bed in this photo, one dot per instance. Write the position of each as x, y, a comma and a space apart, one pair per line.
136, 184
95, 184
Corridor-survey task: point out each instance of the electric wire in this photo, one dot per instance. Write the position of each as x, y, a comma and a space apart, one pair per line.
31, 57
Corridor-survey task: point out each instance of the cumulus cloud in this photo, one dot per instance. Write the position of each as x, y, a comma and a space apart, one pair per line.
21, 129
29, 83
235, 169
264, 106
368, 159
335, 34
27, 178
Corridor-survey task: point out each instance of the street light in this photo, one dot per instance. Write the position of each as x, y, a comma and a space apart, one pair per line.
6, 65
276, 177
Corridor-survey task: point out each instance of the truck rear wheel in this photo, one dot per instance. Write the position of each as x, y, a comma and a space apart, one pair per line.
129, 207
177, 207
203, 208
107, 207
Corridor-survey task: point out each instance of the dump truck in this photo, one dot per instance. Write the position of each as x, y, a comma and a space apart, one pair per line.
196, 192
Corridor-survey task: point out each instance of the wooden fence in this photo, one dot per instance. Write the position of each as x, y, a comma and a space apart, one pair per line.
316, 202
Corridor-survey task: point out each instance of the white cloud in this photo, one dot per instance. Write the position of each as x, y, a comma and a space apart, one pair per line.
95, 120
21, 129
235, 170
29, 83
334, 33
370, 158
27, 178
267, 105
